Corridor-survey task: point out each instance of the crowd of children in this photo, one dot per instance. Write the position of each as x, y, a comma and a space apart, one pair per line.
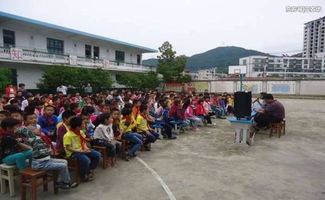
47, 130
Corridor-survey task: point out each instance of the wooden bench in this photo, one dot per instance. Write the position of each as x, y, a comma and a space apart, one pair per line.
73, 165
106, 159
125, 146
32, 179
279, 128
7, 174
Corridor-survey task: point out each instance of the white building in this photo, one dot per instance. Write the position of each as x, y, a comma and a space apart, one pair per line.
314, 36
28, 46
262, 66
209, 74
206, 74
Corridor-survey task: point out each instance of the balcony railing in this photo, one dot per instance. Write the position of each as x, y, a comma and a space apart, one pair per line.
40, 57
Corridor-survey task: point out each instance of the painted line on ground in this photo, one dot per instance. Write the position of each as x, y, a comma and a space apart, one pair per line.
159, 179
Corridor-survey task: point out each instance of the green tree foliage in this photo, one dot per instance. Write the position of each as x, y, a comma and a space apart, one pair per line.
74, 77
5, 75
141, 81
170, 65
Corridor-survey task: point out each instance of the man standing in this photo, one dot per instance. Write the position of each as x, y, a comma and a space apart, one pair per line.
22, 89
272, 113
63, 89
88, 89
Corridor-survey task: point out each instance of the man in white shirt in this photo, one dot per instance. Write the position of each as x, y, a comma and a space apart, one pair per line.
63, 89
25, 103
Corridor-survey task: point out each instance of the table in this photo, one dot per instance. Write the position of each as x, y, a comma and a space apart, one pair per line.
243, 133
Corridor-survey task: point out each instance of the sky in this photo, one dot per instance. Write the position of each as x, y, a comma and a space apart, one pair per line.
191, 26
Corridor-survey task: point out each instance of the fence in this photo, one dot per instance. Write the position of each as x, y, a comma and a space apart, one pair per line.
290, 87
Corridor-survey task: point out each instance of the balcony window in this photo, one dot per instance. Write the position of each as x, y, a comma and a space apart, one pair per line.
96, 52
88, 51
139, 59
8, 38
120, 56
55, 46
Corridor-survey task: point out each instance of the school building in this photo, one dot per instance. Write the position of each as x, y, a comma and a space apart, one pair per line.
29, 46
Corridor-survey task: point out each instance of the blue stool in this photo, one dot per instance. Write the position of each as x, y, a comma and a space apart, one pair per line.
176, 125
158, 128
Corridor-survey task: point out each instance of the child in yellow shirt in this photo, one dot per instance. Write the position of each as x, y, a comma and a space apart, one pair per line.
127, 125
143, 128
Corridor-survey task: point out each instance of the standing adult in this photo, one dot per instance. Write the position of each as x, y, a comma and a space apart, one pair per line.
63, 89
22, 89
88, 89
11, 91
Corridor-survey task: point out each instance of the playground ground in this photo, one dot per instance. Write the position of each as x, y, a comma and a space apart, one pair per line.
207, 165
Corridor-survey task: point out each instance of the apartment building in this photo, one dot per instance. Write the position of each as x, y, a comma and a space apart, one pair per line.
263, 66
314, 36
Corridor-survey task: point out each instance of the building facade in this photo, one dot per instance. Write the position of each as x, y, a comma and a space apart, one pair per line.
314, 36
263, 66
209, 74
29, 46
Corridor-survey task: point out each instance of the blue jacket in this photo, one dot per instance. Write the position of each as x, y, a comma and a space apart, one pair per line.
45, 126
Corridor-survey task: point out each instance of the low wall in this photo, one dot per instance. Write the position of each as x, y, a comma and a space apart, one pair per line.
292, 87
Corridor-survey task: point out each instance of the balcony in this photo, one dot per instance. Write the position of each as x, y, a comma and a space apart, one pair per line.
39, 57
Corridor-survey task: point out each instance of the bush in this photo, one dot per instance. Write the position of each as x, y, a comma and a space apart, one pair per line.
75, 78
139, 81
5, 79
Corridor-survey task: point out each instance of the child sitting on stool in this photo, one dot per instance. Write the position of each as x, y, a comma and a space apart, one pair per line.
150, 136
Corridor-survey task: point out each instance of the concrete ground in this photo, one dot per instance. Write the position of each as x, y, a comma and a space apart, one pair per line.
207, 165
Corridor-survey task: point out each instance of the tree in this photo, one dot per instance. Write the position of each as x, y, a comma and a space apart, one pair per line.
170, 65
140, 81
75, 78
5, 75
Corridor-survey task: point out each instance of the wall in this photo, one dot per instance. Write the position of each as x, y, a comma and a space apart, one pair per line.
26, 73
294, 87
36, 38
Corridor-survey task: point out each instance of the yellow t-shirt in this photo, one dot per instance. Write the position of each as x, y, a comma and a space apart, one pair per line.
124, 128
141, 124
230, 101
72, 140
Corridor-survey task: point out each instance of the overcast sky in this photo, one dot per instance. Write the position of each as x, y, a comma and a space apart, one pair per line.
192, 26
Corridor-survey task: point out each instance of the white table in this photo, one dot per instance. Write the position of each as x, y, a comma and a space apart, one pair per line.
243, 133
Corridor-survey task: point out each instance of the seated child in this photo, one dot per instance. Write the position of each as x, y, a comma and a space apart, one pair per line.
3, 115
62, 130
189, 114
104, 135
116, 115
10, 145
75, 146
126, 127
31, 123
48, 122
41, 159
201, 112
167, 130
142, 127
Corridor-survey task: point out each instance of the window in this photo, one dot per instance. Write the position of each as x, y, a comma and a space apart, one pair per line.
120, 56
96, 52
55, 46
88, 51
139, 59
8, 38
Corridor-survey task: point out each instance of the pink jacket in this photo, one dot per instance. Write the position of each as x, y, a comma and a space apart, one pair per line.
207, 107
189, 112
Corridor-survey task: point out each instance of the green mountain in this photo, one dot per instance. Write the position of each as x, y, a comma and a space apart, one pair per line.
150, 62
220, 57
